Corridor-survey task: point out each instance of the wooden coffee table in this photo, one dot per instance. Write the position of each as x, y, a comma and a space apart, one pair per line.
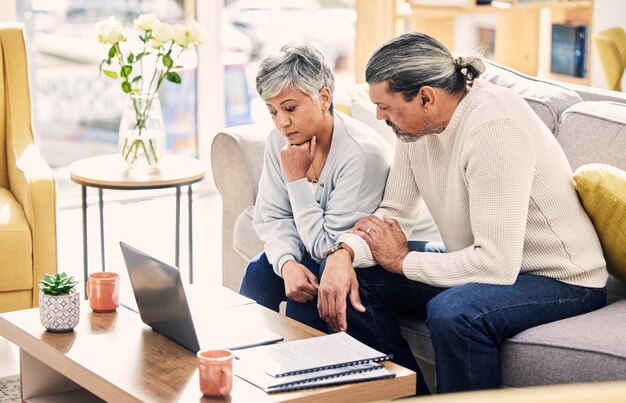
115, 357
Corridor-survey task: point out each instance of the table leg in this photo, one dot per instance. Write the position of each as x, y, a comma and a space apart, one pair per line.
177, 256
190, 201
39, 380
101, 206
83, 193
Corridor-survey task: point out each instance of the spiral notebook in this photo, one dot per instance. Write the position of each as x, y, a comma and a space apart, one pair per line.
312, 379
318, 361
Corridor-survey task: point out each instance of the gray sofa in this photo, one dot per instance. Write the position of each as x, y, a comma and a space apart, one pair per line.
589, 123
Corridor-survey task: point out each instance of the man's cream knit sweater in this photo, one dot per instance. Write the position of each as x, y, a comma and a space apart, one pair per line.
499, 188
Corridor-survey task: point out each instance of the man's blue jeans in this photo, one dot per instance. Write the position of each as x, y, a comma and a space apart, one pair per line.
263, 285
467, 323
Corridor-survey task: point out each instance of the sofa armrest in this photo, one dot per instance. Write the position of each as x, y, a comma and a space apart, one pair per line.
31, 179
598, 94
237, 162
34, 187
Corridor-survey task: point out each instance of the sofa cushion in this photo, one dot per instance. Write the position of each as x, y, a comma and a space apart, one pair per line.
245, 240
594, 131
602, 190
16, 268
549, 100
416, 334
584, 348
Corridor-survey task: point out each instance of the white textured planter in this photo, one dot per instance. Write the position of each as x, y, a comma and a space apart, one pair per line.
59, 313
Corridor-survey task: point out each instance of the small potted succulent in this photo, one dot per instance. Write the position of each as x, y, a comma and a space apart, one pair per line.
59, 302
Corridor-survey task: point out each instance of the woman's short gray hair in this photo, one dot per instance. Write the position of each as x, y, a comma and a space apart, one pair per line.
413, 60
298, 65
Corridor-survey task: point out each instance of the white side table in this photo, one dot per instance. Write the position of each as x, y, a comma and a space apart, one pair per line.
111, 172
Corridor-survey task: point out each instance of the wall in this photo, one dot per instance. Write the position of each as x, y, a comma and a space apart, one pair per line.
469, 43
210, 78
606, 14
7, 10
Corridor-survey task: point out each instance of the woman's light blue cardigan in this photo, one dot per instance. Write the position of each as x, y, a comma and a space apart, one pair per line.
292, 218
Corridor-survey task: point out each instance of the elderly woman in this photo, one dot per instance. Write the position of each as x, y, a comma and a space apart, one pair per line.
322, 172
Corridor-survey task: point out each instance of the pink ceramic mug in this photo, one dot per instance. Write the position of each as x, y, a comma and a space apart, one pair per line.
103, 291
216, 372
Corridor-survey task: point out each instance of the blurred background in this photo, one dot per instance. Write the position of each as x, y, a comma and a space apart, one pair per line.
77, 109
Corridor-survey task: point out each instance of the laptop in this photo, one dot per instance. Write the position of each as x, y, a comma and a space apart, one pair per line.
162, 305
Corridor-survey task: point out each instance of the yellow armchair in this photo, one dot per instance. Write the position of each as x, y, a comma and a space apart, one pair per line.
27, 185
611, 45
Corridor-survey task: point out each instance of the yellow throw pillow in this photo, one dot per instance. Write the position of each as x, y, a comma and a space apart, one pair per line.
347, 109
602, 189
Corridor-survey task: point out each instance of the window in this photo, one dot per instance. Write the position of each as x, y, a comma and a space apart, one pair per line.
76, 110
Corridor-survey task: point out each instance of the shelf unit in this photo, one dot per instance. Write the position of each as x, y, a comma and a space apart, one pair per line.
522, 32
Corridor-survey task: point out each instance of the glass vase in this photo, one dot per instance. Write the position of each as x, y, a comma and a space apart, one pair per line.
142, 131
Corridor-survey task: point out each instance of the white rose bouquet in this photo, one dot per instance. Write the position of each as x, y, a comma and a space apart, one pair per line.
142, 69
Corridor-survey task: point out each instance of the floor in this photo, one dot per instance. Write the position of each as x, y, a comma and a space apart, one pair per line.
143, 219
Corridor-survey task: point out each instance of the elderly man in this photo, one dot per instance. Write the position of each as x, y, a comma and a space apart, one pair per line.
520, 249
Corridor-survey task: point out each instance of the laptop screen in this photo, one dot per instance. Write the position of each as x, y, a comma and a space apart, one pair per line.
163, 305
160, 297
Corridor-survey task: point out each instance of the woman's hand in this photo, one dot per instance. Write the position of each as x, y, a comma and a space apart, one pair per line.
300, 283
296, 159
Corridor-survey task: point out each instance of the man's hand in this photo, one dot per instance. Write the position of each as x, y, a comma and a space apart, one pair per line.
338, 281
386, 241
296, 159
300, 284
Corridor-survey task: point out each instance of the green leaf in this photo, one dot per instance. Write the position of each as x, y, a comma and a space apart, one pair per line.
140, 56
126, 70
110, 73
136, 79
126, 87
130, 58
173, 77
167, 61
58, 283
112, 51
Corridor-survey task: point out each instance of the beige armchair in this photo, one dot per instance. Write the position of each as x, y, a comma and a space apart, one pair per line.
27, 185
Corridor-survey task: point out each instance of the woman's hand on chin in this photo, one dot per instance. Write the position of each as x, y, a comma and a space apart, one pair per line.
296, 159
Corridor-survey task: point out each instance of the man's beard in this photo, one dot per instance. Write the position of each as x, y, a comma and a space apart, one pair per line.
402, 136
408, 138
